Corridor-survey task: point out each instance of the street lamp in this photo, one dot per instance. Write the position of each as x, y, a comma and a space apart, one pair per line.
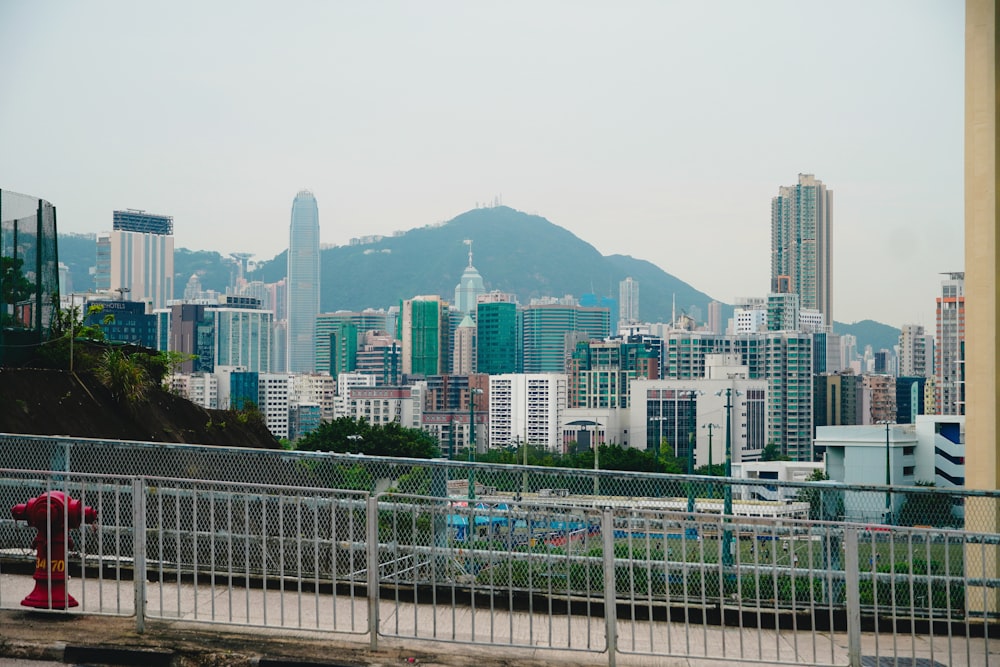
711, 471
693, 409
888, 470
472, 440
727, 489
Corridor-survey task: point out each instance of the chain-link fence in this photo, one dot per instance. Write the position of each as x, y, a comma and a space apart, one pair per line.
529, 572
29, 274
828, 501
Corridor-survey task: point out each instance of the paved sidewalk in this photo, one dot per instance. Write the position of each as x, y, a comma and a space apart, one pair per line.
213, 626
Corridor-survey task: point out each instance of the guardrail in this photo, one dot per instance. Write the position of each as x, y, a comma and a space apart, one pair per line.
531, 572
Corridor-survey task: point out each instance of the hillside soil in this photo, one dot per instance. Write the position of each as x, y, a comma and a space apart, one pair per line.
52, 402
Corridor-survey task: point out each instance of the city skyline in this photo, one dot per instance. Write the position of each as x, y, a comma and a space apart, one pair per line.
658, 130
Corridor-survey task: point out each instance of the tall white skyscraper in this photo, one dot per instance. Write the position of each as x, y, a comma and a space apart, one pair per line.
628, 302
136, 259
303, 283
802, 244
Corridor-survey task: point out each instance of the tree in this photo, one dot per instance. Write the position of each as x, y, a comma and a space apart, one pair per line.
14, 288
346, 435
773, 453
825, 503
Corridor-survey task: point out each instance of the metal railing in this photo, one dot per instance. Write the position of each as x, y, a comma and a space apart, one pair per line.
523, 571
875, 504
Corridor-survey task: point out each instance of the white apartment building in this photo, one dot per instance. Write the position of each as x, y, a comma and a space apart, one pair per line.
527, 406
750, 315
345, 382
274, 390
912, 351
384, 405
199, 388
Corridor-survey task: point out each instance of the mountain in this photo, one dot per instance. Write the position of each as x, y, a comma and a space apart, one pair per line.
869, 332
515, 252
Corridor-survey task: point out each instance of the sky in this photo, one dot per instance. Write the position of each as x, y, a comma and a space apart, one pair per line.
658, 129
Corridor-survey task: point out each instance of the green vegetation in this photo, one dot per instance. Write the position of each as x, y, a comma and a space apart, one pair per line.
14, 288
124, 375
345, 435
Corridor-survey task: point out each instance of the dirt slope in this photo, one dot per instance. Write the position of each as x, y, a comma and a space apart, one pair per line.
50, 402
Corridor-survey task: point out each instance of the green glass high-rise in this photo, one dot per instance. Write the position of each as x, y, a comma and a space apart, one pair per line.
498, 349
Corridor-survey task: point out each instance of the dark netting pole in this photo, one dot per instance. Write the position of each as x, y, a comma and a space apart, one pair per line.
38, 271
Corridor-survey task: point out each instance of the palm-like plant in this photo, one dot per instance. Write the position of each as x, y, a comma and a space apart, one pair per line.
126, 378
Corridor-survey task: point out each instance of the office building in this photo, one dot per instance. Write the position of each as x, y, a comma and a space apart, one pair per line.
424, 332
122, 321
242, 334
498, 348
551, 330
682, 414
135, 259
949, 352
469, 288
303, 283
802, 244
343, 332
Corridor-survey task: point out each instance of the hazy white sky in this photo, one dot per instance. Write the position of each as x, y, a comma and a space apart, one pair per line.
655, 129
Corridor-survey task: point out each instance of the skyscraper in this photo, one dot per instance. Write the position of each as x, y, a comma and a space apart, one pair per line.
802, 244
423, 330
949, 353
303, 283
498, 349
136, 259
469, 287
628, 302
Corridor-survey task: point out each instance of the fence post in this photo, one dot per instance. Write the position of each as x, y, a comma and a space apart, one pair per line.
372, 516
139, 551
852, 580
610, 599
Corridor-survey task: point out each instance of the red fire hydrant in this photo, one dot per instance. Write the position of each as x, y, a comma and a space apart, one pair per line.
52, 514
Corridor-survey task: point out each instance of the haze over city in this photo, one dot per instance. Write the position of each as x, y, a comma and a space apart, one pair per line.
657, 130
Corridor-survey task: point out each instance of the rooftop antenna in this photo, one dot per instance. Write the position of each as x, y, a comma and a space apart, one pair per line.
468, 242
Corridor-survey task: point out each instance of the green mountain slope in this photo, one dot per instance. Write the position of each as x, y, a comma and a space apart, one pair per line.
523, 254
514, 252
